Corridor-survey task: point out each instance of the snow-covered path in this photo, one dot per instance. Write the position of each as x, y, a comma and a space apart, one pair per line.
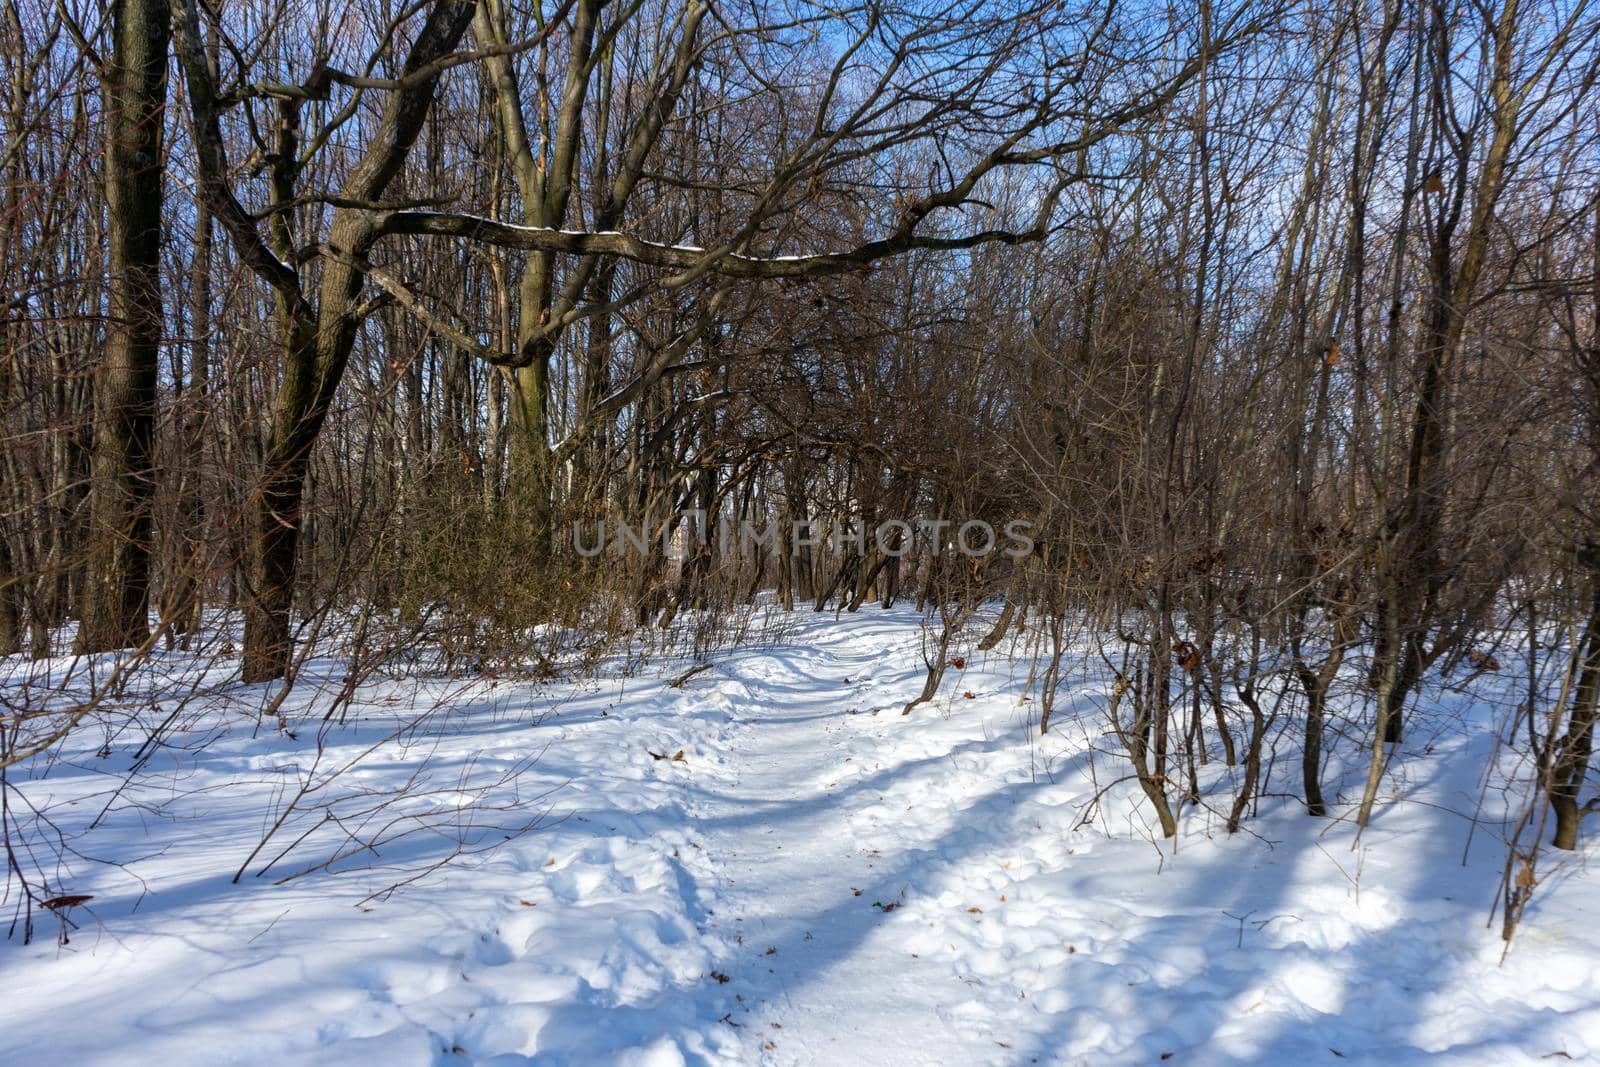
824, 819
818, 880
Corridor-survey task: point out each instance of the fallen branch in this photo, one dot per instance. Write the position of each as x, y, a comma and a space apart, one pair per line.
682, 679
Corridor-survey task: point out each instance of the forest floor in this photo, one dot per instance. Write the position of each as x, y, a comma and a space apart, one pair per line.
817, 880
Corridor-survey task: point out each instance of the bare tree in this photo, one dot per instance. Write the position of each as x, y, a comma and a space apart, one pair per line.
116, 605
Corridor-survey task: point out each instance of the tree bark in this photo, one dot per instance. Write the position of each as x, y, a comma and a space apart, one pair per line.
317, 340
1572, 755
116, 605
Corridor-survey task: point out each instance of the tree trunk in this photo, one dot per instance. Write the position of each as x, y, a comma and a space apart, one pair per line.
116, 606
317, 342
186, 583
10, 601
1007, 613
1572, 756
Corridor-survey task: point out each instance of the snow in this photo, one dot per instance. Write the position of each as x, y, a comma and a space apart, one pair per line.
658, 246
819, 880
541, 230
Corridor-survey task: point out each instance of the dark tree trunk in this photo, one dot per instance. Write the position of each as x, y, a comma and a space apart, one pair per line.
185, 585
269, 600
1572, 755
1311, 756
116, 605
10, 601
317, 341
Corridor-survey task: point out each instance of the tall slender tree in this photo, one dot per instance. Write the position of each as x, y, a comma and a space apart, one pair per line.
116, 602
